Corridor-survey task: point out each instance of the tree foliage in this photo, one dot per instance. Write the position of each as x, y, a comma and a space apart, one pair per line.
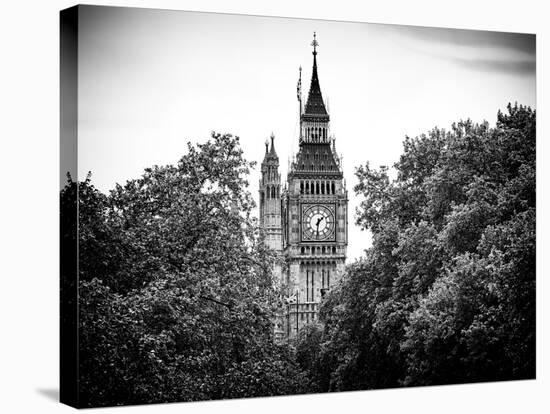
446, 293
176, 294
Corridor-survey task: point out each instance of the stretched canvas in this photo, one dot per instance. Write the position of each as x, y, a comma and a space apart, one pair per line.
257, 206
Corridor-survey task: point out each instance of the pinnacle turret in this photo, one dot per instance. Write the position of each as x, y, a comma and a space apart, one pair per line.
270, 153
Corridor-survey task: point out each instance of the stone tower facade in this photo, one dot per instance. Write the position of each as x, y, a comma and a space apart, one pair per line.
270, 198
270, 218
313, 213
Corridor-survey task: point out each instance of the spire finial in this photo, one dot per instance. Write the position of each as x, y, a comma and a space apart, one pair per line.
272, 138
315, 43
266, 146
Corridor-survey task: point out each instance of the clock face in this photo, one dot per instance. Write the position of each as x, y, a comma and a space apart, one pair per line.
317, 222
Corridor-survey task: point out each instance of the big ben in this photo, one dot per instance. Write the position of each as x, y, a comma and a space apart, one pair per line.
314, 213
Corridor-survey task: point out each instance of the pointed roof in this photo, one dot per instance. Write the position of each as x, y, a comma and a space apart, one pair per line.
315, 105
270, 153
315, 159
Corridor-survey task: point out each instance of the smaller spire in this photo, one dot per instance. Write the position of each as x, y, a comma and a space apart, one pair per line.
299, 87
272, 150
266, 146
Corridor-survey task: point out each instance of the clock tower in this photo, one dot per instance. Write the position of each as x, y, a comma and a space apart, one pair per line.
314, 213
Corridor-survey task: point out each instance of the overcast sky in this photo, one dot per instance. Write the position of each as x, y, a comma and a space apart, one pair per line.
152, 80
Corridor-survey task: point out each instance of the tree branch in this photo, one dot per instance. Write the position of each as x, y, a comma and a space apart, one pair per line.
227, 305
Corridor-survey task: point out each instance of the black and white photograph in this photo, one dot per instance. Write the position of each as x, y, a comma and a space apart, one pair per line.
265, 206
274, 207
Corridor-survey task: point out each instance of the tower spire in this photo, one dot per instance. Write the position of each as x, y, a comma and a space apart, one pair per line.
272, 150
315, 104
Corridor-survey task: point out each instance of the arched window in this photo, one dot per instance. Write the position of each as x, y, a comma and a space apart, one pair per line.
272, 192
323, 188
317, 188
301, 187
333, 191
307, 187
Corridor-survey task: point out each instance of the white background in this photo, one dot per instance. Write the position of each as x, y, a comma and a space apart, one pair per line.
29, 76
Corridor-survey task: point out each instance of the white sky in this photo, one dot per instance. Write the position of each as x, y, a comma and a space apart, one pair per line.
152, 80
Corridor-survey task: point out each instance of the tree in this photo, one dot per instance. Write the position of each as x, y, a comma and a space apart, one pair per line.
176, 293
446, 293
